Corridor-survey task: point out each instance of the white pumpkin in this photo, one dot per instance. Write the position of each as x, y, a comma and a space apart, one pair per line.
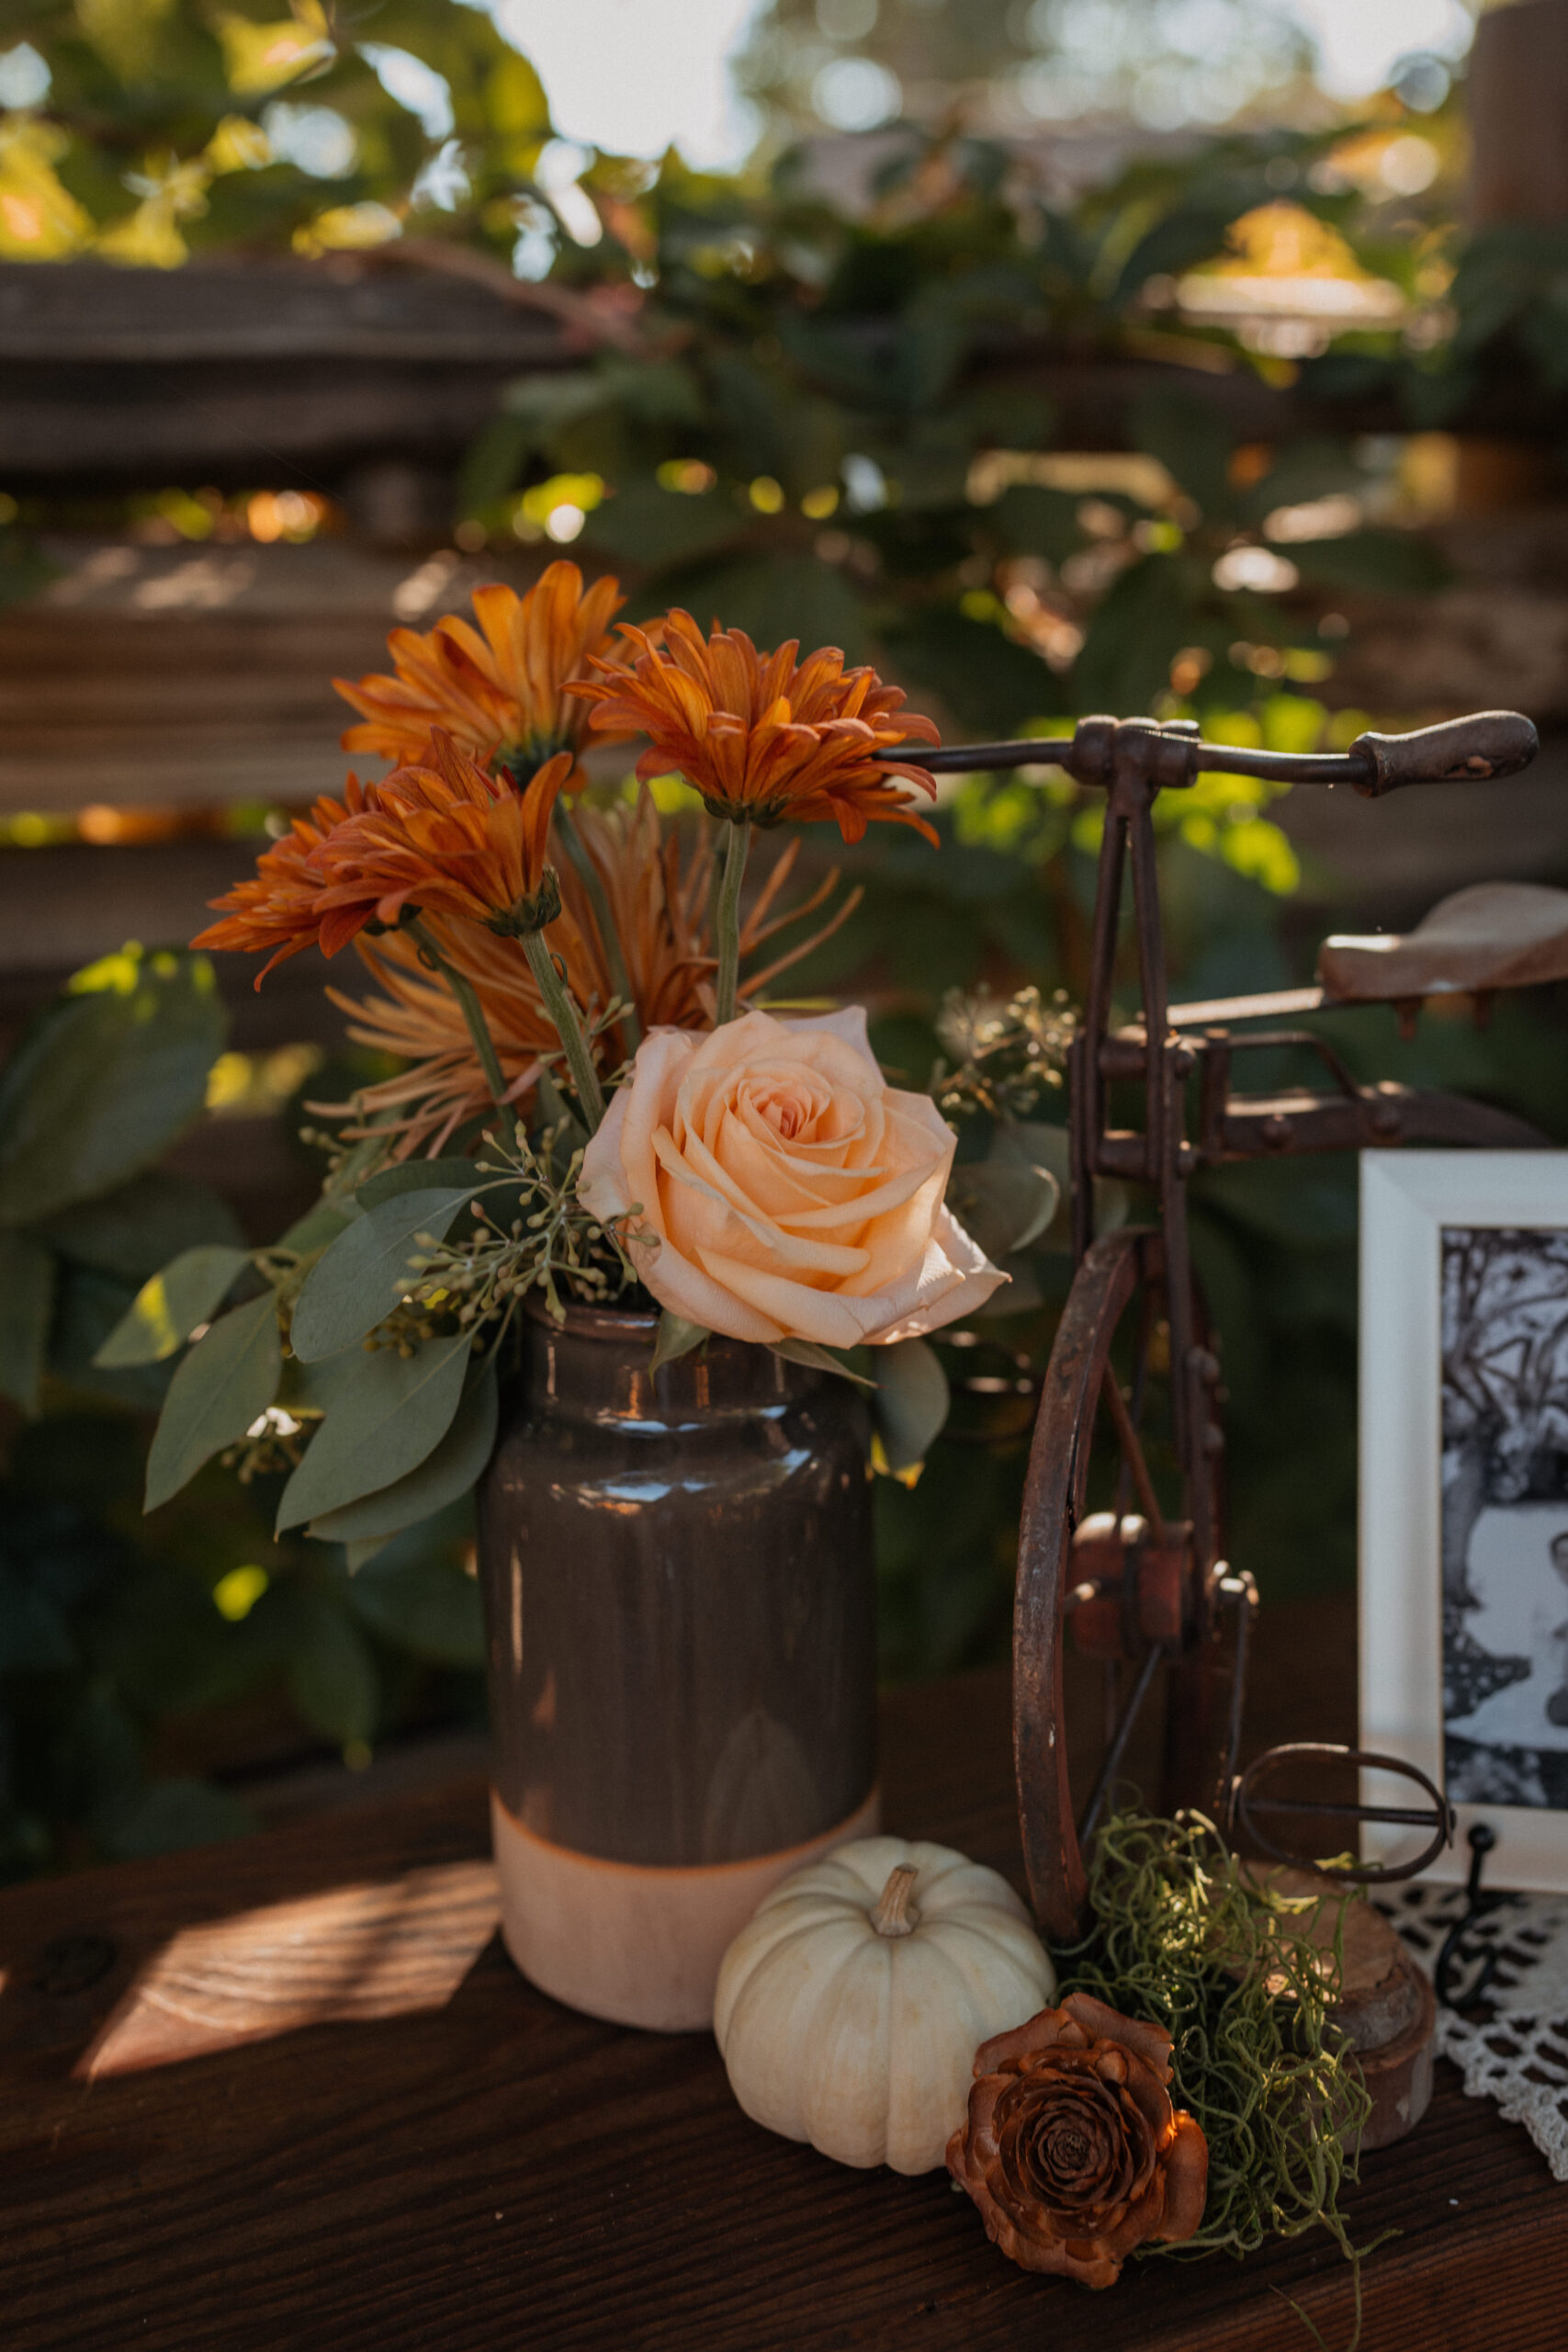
851, 2005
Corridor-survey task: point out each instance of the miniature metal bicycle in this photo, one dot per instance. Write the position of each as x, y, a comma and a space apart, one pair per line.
1145, 1587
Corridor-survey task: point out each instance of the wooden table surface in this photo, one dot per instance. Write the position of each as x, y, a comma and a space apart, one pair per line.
445, 2159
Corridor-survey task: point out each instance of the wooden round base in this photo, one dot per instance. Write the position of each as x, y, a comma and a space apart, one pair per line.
1386, 2008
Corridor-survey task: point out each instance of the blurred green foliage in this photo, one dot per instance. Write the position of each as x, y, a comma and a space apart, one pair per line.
125, 1641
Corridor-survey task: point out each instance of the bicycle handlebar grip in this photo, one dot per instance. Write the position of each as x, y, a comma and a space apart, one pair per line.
1490, 744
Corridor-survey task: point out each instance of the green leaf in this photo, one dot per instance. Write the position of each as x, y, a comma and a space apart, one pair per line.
449, 1472
419, 1176
1004, 1204
1192, 441
319, 1226
139, 1227
228, 1380
1373, 563
333, 1679
1036, 521
87, 1307
653, 528
106, 1081
676, 1337
389, 1415
366, 1272
988, 681
1150, 611
773, 598
912, 1402
426, 1605
821, 1359
167, 1309
27, 1304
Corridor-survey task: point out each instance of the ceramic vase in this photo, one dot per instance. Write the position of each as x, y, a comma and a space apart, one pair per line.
680, 1620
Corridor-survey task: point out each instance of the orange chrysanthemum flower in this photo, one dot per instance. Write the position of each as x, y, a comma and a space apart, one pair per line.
499, 695
282, 905
762, 737
444, 838
662, 912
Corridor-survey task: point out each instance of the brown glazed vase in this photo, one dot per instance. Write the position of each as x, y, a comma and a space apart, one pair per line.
679, 1614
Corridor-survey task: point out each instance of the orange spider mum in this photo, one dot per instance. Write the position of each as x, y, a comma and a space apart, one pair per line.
445, 838
661, 914
499, 691
762, 736
282, 905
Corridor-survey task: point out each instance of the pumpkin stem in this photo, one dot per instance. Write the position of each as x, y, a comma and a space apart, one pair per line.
893, 1915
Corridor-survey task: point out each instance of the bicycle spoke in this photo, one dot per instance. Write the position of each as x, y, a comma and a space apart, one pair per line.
1118, 1746
1132, 1454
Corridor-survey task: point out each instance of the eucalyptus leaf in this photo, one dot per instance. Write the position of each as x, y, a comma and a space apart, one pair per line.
87, 1307
27, 1305
226, 1381
140, 1226
676, 1337
319, 1226
912, 1400
426, 1606
168, 1307
105, 1080
444, 1475
364, 1274
1002, 1204
1038, 1145
419, 1176
821, 1359
389, 1414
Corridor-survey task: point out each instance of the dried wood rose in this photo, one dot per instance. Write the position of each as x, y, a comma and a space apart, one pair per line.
1072, 2150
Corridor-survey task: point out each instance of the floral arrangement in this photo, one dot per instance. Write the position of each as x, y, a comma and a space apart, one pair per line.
597, 1101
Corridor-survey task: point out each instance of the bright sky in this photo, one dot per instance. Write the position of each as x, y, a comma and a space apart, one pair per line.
632, 75
1358, 40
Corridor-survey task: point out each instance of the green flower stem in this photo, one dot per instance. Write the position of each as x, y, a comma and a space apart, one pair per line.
568, 1028
473, 1012
598, 897
728, 923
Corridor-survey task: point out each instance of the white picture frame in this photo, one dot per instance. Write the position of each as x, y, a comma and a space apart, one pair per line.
1410, 1201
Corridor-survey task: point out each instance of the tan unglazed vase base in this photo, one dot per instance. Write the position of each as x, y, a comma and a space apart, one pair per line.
633, 1942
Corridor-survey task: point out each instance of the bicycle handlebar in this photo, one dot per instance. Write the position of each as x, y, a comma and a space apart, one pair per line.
1487, 745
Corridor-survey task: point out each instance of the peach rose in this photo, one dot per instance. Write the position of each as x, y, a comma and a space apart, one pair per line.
792, 1194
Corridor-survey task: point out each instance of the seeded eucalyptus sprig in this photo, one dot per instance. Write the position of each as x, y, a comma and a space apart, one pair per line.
1005, 1055
534, 1233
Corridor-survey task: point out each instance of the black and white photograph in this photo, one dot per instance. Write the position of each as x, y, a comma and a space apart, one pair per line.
1505, 1515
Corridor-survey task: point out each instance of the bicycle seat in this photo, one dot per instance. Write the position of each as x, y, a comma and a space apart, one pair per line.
1494, 935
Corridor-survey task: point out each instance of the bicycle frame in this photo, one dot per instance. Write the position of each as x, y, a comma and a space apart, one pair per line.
1164, 1590
1134, 761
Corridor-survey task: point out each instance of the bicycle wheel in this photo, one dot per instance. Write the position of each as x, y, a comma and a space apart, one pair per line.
1119, 1542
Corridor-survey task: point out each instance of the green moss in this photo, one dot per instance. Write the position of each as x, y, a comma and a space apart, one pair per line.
1184, 1939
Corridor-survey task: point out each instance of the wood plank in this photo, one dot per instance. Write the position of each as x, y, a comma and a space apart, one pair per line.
500, 2170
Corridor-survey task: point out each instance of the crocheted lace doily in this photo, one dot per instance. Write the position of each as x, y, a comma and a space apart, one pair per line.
1518, 2053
